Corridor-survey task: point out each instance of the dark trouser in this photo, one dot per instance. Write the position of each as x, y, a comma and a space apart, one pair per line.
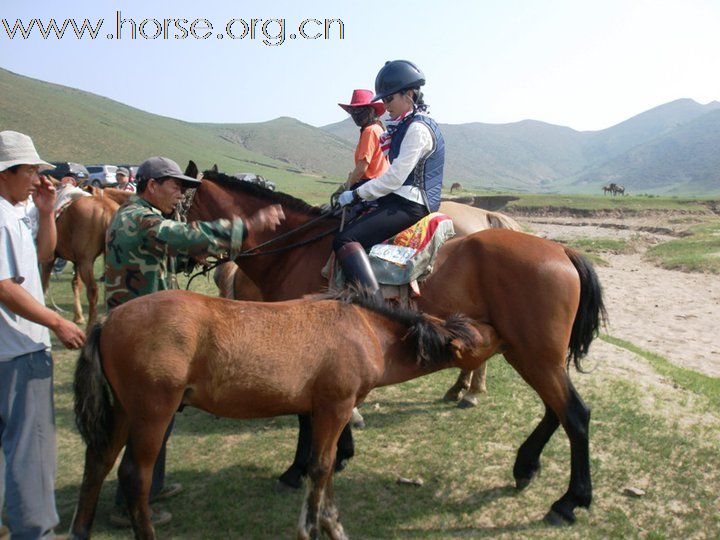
394, 214
158, 477
27, 435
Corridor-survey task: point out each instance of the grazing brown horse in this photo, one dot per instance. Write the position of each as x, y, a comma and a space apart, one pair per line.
158, 352
81, 239
456, 185
544, 300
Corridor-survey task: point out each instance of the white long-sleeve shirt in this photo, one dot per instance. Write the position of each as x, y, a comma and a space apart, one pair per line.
417, 143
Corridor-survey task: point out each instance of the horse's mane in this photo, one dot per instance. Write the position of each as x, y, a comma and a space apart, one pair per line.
273, 197
430, 339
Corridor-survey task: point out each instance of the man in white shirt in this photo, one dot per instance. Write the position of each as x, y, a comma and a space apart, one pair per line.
27, 433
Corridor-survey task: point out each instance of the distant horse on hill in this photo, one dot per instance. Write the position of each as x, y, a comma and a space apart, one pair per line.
456, 185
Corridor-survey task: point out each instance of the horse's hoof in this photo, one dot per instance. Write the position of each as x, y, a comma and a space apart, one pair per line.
466, 404
555, 519
522, 483
340, 465
356, 420
281, 487
450, 395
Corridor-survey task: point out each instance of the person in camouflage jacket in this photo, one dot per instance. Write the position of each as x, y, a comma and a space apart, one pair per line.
141, 245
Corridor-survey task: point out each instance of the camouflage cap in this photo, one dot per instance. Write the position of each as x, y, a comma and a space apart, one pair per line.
161, 167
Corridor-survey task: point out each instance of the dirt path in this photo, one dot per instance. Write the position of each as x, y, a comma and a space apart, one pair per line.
671, 313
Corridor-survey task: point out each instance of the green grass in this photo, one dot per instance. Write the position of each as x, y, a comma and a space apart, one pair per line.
698, 383
465, 458
697, 253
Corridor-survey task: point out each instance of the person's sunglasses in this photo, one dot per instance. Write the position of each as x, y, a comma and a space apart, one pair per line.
389, 98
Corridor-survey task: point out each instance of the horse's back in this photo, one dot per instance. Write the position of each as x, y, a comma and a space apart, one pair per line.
469, 219
237, 359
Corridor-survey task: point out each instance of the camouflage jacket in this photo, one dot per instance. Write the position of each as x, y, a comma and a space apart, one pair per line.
141, 245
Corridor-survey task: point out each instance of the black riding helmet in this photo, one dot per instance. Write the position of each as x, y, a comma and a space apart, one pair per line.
396, 76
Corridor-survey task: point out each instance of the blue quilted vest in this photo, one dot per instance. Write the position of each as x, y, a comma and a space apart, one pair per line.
428, 173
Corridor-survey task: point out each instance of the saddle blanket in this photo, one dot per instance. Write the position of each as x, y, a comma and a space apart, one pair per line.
65, 197
409, 255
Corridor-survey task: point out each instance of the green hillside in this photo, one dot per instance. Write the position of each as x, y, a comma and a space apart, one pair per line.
69, 124
668, 149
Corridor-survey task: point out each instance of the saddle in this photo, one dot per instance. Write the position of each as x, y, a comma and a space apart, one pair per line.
65, 197
405, 259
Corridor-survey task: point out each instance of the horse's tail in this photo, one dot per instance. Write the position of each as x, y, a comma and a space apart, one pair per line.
436, 343
501, 221
591, 311
94, 415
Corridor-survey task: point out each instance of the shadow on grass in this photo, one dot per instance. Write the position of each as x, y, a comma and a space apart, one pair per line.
240, 502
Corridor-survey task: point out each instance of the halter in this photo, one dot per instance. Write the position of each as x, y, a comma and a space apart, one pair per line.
253, 252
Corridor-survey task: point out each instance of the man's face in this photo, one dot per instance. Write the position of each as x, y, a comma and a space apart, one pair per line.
19, 185
122, 179
164, 195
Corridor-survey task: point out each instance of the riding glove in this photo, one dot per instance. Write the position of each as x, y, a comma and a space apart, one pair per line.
347, 197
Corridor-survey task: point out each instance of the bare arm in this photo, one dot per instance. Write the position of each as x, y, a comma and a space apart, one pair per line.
358, 173
21, 302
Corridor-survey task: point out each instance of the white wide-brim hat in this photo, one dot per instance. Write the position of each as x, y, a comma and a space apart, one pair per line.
18, 149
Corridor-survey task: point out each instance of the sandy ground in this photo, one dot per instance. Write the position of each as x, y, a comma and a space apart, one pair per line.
674, 314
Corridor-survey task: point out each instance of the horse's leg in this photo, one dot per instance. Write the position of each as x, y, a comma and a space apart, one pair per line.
557, 392
345, 448
85, 268
77, 307
477, 386
135, 472
327, 423
462, 384
292, 477
45, 271
97, 468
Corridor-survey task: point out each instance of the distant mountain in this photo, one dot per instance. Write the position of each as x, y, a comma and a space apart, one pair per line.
672, 148
300, 145
683, 160
535, 156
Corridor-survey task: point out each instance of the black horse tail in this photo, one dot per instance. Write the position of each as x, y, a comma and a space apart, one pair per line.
591, 312
94, 415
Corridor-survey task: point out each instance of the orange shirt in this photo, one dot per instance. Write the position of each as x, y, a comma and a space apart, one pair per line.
368, 148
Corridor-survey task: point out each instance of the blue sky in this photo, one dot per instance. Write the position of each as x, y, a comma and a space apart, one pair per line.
587, 65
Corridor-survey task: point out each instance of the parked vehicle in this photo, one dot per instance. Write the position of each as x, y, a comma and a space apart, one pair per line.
102, 176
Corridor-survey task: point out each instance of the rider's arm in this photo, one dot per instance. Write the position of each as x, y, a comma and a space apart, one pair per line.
416, 144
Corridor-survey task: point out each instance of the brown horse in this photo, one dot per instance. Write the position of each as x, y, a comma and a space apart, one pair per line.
543, 299
158, 352
81, 239
456, 185
234, 284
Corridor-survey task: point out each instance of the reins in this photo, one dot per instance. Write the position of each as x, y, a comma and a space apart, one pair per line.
253, 252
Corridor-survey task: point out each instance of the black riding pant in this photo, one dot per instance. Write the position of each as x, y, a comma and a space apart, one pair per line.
393, 214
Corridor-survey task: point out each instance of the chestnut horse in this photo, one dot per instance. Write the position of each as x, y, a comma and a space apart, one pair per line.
234, 284
158, 352
544, 301
81, 239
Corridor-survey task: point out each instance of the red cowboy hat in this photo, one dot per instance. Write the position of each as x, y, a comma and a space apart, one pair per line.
362, 98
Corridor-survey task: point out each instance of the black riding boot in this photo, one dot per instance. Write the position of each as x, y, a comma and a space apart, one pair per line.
356, 267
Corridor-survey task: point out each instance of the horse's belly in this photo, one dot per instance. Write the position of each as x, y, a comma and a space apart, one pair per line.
251, 404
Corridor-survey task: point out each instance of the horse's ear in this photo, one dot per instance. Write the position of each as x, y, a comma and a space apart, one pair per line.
215, 169
191, 170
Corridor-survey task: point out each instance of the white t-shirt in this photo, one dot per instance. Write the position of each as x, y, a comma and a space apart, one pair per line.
18, 261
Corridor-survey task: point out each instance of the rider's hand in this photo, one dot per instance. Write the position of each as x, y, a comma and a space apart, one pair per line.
265, 218
69, 334
346, 197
